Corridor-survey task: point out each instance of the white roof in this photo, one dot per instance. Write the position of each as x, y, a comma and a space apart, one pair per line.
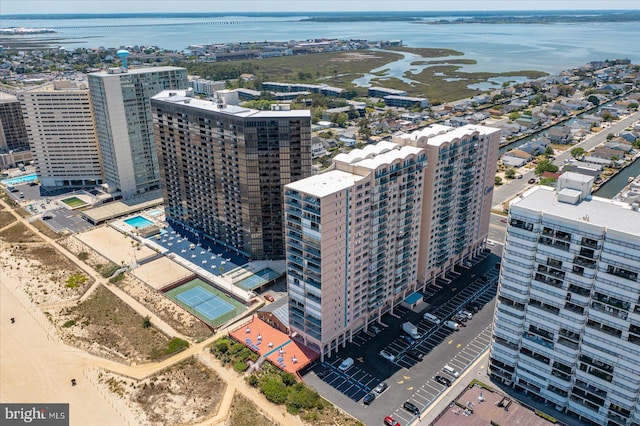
144, 70
325, 183
595, 211
438, 134
178, 97
373, 156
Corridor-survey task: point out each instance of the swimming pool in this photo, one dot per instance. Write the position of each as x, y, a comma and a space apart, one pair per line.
138, 222
155, 213
20, 179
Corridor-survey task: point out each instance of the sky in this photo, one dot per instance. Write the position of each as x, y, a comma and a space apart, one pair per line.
8, 7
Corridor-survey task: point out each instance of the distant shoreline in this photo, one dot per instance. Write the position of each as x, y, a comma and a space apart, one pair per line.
516, 16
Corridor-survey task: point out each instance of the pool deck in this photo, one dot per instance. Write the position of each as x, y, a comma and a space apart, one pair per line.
275, 346
115, 246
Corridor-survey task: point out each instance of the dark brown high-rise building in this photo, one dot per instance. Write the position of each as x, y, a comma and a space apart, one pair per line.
223, 168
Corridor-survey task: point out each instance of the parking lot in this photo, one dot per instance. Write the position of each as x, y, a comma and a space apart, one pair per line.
438, 345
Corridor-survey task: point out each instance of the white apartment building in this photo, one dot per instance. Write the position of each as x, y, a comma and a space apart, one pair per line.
62, 135
457, 194
567, 318
352, 242
121, 104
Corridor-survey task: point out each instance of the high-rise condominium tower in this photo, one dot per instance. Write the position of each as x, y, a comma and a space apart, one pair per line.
14, 141
567, 320
457, 194
224, 168
352, 242
60, 125
120, 99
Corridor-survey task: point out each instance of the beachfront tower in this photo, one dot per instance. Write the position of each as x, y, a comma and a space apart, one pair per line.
120, 99
224, 168
567, 320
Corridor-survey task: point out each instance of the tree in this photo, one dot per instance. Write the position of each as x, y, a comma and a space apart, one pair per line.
498, 181
594, 100
510, 173
548, 152
577, 152
610, 136
607, 116
545, 165
146, 322
514, 116
548, 181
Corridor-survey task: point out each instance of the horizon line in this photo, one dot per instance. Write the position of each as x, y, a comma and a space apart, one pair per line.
317, 12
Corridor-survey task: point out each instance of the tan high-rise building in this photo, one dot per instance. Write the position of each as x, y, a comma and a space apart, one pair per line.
14, 141
59, 122
382, 224
458, 191
223, 168
352, 242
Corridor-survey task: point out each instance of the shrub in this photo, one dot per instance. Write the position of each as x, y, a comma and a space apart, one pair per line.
253, 381
107, 270
175, 345
222, 346
240, 366
146, 322
274, 390
288, 379
494, 423
69, 323
76, 280
482, 385
117, 278
546, 416
83, 255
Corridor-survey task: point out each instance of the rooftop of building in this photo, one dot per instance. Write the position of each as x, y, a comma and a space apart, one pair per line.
182, 97
325, 183
60, 86
595, 211
6, 98
373, 156
144, 70
438, 134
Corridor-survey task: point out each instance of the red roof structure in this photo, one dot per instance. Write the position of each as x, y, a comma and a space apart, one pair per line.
276, 346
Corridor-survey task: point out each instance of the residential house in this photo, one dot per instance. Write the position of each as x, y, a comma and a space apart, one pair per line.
559, 134
618, 144
516, 158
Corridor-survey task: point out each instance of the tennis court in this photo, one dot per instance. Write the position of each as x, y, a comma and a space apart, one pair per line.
206, 302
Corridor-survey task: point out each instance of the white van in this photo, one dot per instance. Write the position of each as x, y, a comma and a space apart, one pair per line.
452, 325
346, 364
450, 371
431, 318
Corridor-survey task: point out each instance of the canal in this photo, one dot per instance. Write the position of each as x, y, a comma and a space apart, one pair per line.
619, 181
537, 135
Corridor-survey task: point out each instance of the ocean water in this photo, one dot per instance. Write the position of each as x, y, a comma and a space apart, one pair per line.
495, 47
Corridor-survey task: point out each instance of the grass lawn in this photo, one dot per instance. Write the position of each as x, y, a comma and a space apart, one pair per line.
74, 202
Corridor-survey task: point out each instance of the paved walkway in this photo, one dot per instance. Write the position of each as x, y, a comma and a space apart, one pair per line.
31, 345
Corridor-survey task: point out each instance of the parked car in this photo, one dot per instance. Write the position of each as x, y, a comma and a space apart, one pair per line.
452, 325
368, 398
390, 421
374, 329
386, 355
467, 314
415, 354
532, 180
411, 408
346, 364
472, 306
460, 320
451, 371
407, 339
443, 380
269, 297
47, 217
323, 373
382, 386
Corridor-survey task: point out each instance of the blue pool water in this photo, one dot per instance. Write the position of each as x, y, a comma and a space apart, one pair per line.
20, 179
154, 213
138, 222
